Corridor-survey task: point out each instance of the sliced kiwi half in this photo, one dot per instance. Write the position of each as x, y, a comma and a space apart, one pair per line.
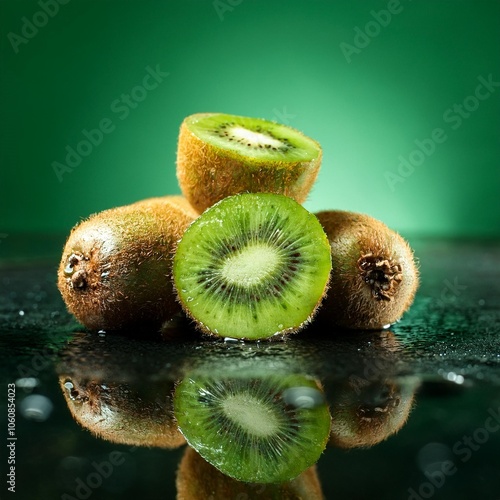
220, 155
252, 266
254, 427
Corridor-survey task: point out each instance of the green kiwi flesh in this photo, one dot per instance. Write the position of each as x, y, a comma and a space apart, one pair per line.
264, 428
252, 266
374, 275
220, 155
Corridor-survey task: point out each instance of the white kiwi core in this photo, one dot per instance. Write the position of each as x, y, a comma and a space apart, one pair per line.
251, 414
251, 265
255, 137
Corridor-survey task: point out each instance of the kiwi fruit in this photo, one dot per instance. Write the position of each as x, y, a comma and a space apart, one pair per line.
116, 266
374, 277
124, 413
366, 413
220, 155
198, 480
252, 266
260, 427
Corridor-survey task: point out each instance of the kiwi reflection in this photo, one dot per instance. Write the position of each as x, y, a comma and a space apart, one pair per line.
198, 480
116, 399
365, 413
122, 413
258, 413
252, 423
373, 402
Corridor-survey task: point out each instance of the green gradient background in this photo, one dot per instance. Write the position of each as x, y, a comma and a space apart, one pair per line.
265, 59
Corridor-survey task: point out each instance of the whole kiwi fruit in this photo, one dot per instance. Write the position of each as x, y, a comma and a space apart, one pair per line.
116, 266
374, 276
220, 155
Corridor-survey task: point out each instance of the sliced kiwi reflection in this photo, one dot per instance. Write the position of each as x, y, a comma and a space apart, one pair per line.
198, 480
366, 412
253, 425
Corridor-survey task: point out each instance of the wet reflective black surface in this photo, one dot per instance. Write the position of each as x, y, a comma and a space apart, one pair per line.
415, 411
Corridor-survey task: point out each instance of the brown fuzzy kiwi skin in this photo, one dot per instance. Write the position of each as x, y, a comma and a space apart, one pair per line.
198, 480
367, 413
121, 414
116, 266
374, 276
207, 174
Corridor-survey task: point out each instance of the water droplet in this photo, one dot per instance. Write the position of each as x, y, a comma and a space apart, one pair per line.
21, 313
280, 326
303, 397
36, 407
27, 382
453, 377
189, 299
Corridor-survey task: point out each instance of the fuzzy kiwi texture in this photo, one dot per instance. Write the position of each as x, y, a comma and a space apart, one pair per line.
252, 266
374, 276
364, 413
115, 271
123, 413
198, 480
220, 155
252, 426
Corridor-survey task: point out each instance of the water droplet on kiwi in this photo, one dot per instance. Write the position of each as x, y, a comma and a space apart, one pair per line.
303, 397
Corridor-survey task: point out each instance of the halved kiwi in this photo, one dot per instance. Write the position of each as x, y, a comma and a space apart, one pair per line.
374, 276
254, 427
252, 266
115, 271
198, 480
220, 155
